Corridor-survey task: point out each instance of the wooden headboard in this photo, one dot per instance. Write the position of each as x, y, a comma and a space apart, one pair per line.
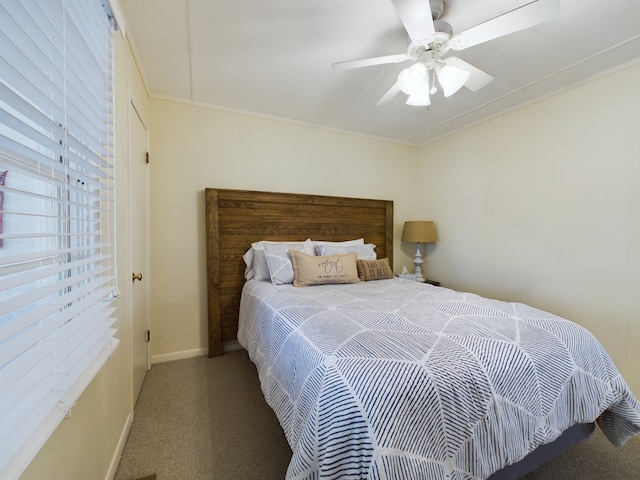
237, 218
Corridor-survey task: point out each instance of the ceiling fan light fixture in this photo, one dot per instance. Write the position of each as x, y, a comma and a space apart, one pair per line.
431, 37
420, 98
412, 79
452, 79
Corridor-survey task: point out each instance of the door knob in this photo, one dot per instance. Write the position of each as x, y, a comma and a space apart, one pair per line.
135, 277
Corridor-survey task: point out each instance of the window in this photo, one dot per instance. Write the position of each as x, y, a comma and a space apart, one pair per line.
57, 215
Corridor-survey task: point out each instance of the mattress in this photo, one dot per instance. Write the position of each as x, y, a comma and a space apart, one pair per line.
395, 379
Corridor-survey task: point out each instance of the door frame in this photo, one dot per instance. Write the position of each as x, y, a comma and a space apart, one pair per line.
133, 110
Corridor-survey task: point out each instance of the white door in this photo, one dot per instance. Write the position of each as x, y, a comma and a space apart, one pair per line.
139, 215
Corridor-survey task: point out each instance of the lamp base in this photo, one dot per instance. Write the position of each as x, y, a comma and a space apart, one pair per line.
417, 261
412, 276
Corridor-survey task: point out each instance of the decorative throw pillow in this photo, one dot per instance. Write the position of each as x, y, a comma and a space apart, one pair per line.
313, 270
374, 269
364, 252
279, 261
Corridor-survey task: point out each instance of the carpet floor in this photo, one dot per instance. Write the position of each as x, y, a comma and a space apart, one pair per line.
206, 419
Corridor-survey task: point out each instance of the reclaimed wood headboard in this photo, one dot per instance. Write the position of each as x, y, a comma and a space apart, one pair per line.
237, 218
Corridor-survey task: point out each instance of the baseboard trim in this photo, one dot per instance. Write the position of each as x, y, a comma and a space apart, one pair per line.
115, 461
169, 357
197, 352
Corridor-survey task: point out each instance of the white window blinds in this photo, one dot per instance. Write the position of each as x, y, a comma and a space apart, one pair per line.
57, 215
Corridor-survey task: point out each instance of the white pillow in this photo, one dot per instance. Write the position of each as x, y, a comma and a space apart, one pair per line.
256, 265
256, 261
358, 241
364, 252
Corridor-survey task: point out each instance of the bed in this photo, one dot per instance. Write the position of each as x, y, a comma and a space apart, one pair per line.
395, 379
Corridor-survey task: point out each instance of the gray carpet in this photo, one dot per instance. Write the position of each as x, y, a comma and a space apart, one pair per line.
206, 419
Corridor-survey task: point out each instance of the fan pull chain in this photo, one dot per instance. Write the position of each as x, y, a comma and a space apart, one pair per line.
434, 89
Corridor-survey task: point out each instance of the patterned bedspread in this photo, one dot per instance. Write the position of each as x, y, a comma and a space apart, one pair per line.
398, 380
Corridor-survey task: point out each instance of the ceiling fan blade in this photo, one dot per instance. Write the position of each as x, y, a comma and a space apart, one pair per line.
529, 15
477, 78
387, 97
416, 17
366, 62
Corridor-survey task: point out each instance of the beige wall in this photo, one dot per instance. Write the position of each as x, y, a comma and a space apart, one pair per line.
542, 206
87, 445
194, 148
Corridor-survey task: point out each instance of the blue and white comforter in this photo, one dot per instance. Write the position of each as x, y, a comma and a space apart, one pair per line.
398, 380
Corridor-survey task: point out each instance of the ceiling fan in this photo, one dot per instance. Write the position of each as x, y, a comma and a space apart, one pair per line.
430, 39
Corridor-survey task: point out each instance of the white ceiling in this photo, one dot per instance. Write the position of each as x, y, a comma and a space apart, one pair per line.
274, 58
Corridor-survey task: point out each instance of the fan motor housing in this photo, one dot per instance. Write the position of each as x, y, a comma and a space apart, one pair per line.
437, 44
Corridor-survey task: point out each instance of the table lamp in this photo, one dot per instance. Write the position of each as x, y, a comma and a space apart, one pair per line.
419, 232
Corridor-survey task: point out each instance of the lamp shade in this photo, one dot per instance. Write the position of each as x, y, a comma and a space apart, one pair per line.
421, 97
452, 79
419, 232
411, 79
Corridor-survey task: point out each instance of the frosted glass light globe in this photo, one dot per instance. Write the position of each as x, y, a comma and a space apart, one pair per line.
411, 79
